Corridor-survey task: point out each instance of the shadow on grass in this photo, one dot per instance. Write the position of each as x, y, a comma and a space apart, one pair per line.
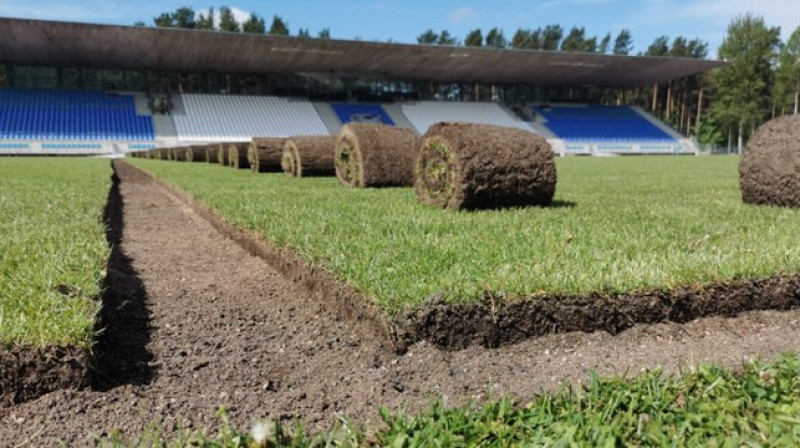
562, 204
120, 354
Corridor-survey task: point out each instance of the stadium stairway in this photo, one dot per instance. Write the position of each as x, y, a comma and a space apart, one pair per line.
328, 117
395, 112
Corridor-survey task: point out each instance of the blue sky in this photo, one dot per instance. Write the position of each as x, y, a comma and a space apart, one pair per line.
404, 20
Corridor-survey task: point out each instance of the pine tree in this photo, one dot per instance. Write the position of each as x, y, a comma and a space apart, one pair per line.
623, 45
278, 27
254, 24
474, 38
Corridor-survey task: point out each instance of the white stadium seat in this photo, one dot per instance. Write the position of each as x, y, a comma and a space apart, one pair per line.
240, 118
425, 113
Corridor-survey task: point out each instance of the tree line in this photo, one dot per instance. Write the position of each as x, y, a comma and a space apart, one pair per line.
186, 17
760, 81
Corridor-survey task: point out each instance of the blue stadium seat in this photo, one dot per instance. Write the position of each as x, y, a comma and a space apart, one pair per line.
601, 123
42, 114
362, 113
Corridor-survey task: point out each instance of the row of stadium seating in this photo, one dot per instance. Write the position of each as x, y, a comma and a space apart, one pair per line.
39, 114
601, 123
47, 114
7, 145
239, 118
97, 146
362, 113
423, 114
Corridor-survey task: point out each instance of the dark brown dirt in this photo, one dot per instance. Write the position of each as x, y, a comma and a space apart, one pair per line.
307, 156
28, 372
264, 154
237, 156
769, 172
465, 166
203, 324
375, 155
494, 325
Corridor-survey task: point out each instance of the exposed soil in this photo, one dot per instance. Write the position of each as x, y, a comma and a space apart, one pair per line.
465, 166
375, 155
769, 172
307, 156
201, 323
29, 372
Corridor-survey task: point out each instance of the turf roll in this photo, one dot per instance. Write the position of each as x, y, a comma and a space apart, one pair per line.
264, 154
195, 154
222, 154
464, 166
176, 154
237, 155
769, 172
375, 155
212, 152
306, 156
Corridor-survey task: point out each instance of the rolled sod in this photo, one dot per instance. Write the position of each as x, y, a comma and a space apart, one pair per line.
237, 155
264, 154
769, 172
212, 152
476, 166
195, 154
222, 154
176, 154
375, 155
309, 156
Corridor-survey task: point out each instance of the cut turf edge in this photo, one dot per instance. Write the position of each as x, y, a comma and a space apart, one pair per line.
494, 323
28, 372
367, 319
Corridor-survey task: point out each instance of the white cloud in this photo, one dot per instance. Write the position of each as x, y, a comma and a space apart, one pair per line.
239, 14
461, 14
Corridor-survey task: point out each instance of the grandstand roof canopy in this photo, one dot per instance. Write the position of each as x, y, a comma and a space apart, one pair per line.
37, 42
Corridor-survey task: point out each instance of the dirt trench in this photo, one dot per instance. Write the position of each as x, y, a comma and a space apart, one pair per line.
200, 324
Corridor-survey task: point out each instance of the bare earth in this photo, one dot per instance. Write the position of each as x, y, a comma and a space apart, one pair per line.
197, 323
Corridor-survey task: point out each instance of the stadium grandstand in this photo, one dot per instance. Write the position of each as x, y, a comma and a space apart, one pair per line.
72, 88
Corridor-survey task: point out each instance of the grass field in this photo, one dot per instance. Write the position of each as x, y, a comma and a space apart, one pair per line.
53, 249
707, 406
618, 225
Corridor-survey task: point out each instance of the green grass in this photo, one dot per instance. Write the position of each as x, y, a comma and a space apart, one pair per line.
636, 224
53, 249
706, 406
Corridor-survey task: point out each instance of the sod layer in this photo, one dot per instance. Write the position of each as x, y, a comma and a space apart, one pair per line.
617, 225
237, 155
53, 256
195, 154
309, 156
223, 155
264, 154
770, 168
477, 166
375, 155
